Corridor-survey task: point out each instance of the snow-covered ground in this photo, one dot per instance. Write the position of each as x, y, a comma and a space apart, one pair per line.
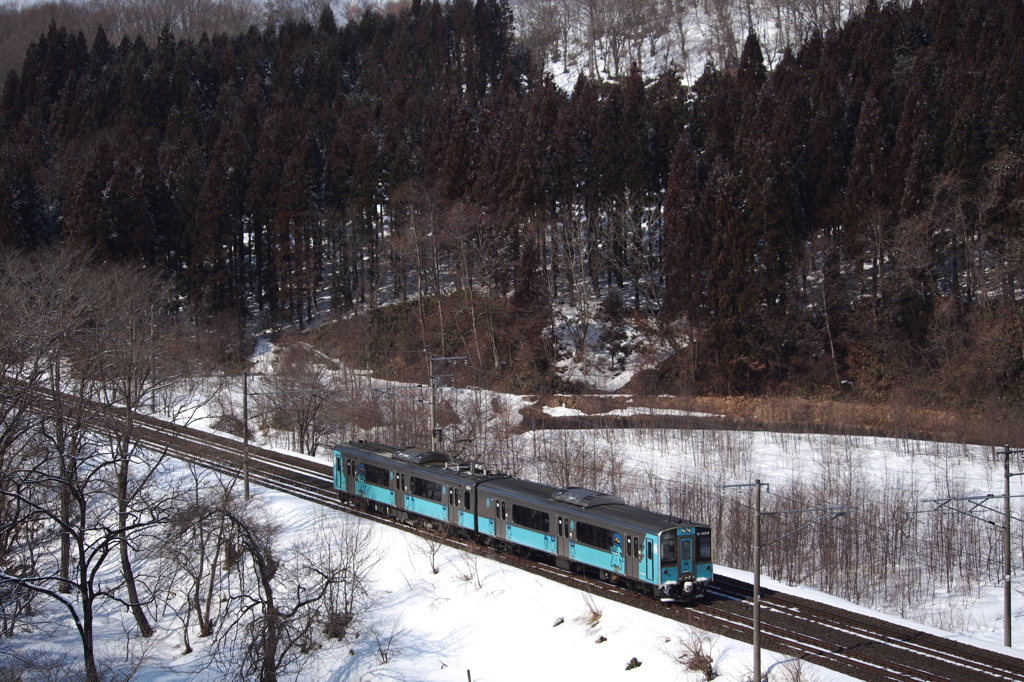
475, 615
499, 623
480, 619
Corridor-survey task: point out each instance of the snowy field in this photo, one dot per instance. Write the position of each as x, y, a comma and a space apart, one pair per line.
496, 622
475, 619
475, 615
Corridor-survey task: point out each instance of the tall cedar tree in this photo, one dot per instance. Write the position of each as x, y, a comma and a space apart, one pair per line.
850, 204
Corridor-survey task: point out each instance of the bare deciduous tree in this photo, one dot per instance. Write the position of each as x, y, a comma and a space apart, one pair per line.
297, 395
281, 604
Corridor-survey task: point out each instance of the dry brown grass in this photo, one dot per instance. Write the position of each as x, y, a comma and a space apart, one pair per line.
997, 424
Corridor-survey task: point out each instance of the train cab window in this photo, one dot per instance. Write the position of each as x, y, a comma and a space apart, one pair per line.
704, 547
668, 550
684, 550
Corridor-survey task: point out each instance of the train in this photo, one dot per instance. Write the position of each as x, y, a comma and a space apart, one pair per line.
576, 529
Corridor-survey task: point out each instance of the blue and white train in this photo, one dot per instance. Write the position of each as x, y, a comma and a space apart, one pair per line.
579, 529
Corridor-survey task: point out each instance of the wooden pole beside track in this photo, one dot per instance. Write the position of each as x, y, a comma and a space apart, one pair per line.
757, 581
1007, 563
756, 570
245, 433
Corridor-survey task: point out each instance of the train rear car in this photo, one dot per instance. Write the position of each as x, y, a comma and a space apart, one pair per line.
684, 560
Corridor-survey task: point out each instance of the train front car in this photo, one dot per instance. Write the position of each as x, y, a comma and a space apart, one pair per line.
684, 561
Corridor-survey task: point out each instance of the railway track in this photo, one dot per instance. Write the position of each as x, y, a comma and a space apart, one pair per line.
856, 645
925, 650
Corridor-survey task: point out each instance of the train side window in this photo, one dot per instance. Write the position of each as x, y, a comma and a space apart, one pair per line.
378, 476
451, 497
504, 512
650, 550
684, 550
469, 499
629, 545
422, 487
531, 518
595, 536
560, 526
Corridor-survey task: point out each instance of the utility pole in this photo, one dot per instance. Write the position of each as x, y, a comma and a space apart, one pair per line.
245, 433
980, 503
757, 573
1007, 563
828, 513
757, 580
435, 386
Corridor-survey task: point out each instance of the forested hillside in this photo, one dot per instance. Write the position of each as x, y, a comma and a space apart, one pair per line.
848, 221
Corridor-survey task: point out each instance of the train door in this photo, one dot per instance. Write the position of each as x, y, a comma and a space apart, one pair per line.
500, 518
339, 471
401, 488
454, 504
465, 507
647, 558
685, 555
350, 475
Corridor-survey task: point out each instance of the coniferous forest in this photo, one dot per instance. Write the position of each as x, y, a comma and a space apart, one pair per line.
846, 223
